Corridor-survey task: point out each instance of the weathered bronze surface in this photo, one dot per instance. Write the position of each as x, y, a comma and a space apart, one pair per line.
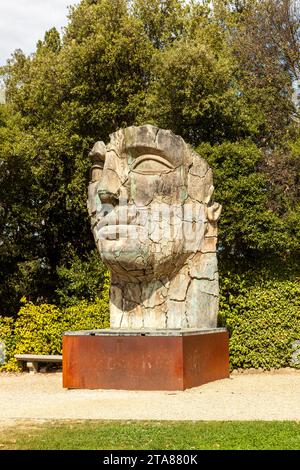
154, 221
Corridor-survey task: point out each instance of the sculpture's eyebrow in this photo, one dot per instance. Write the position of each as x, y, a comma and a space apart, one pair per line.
152, 153
156, 158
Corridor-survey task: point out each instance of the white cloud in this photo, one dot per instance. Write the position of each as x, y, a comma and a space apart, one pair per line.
24, 22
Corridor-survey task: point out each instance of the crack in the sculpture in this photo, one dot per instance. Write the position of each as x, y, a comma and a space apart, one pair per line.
186, 318
198, 176
164, 283
156, 135
209, 293
204, 277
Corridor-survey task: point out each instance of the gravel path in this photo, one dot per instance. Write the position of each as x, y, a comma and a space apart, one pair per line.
259, 396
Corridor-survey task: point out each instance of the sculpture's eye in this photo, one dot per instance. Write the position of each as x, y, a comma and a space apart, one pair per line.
151, 164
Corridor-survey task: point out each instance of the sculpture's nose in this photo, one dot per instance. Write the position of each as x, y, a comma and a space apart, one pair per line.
109, 186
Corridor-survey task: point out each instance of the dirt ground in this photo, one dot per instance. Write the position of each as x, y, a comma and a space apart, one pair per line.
251, 396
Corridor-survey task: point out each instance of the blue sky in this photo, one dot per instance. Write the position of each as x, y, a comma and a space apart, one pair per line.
24, 22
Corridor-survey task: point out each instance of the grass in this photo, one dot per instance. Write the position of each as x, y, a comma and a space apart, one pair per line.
151, 435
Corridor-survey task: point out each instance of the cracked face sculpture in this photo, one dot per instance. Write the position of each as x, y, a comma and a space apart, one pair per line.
155, 226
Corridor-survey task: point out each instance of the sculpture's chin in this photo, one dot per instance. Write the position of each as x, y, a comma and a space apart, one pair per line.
135, 261
129, 254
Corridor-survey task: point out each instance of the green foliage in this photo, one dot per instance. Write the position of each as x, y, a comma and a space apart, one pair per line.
39, 329
264, 38
261, 309
80, 279
19, 216
7, 338
163, 21
250, 221
85, 316
194, 90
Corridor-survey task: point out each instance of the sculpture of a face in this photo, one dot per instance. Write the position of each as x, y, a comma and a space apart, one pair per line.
155, 226
148, 202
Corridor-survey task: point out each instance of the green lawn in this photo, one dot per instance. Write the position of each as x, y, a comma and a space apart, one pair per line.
153, 435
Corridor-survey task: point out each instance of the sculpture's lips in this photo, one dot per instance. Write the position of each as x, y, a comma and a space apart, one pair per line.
117, 224
116, 232
116, 217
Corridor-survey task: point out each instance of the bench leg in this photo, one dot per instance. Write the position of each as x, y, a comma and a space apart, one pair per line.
33, 367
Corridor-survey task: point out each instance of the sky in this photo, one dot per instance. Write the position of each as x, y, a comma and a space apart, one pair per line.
24, 22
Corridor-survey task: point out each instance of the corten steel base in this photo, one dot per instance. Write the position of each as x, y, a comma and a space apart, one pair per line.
144, 360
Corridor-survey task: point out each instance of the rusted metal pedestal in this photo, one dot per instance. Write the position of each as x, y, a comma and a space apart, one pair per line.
144, 360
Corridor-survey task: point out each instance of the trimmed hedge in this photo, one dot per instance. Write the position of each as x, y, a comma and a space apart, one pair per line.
261, 309
7, 337
39, 329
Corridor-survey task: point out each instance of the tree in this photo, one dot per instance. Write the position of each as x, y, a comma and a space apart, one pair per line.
260, 215
67, 95
164, 21
194, 89
20, 266
265, 38
218, 78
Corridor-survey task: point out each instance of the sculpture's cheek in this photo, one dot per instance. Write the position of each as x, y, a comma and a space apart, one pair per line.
142, 188
167, 187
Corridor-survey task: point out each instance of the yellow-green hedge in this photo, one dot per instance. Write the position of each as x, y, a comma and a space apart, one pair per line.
39, 329
7, 338
263, 318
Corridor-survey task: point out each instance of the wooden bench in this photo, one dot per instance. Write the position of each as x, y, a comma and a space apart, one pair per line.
33, 360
